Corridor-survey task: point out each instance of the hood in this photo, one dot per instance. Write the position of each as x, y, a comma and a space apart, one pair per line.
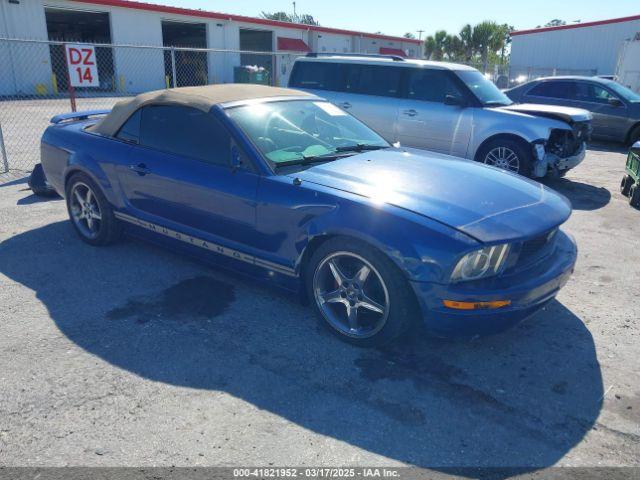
486, 203
566, 114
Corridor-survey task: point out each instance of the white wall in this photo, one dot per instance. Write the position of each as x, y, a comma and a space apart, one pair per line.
24, 66
578, 49
332, 43
628, 70
138, 69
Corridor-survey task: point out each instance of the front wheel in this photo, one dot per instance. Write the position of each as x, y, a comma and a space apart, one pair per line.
90, 212
507, 154
359, 293
625, 185
634, 196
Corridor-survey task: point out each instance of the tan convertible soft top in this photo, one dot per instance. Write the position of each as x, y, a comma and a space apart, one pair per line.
202, 98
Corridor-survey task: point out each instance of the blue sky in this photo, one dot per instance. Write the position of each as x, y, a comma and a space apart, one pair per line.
400, 16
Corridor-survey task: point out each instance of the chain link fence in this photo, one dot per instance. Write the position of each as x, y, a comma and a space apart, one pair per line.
34, 83
518, 75
35, 86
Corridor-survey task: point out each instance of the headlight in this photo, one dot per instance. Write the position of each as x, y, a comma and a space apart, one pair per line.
482, 263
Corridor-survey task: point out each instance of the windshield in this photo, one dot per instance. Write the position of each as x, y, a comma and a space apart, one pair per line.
624, 92
483, 88
297, 131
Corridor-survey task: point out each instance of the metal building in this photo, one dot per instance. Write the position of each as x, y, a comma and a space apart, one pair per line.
40, 68
578, 49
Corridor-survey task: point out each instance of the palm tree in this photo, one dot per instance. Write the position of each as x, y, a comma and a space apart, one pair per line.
472, 43
304, 18
429, 47
466, 40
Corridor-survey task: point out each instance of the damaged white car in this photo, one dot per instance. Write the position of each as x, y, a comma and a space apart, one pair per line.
448, 108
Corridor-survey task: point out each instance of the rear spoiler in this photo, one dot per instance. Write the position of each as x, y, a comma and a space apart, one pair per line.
66, 117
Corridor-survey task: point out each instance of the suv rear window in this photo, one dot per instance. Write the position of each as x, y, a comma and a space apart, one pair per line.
317, 76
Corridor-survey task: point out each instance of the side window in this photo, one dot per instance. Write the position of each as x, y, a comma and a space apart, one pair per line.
317, 76
373, 80
130, 131
431, 85
602, 95
588, 92
185, 131
552, 90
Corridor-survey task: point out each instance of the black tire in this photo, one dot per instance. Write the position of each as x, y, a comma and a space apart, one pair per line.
634, 135
520, 149
634, 196
38, 183
403, 311
108, 229
625, 185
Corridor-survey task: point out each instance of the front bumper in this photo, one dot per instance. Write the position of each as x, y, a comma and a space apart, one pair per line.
528, 292
551, 162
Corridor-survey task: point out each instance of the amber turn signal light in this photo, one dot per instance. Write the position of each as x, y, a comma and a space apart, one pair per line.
476, 305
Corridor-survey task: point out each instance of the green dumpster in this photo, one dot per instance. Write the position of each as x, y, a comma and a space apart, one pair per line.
248, 74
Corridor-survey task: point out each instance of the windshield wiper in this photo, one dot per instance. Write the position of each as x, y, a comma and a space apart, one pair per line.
360, 147
309, 160
339, 152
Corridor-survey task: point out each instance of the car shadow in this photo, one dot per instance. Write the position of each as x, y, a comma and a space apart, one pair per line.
17, 181
520, 399
609, 147
582, 195
33, 198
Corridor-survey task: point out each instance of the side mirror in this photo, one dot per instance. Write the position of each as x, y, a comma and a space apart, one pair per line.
454, 101
616, 102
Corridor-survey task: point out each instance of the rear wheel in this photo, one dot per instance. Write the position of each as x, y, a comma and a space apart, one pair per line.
625, 185
359, 294
507, 154
90, 213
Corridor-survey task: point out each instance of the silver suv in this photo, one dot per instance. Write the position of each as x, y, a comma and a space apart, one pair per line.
448, 108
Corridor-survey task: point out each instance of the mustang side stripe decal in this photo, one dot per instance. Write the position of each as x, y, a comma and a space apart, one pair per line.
213, 247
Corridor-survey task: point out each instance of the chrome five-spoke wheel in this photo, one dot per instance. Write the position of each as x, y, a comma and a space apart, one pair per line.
504, 158
351, 295
85, 210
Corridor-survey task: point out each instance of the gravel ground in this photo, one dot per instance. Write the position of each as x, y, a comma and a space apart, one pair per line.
132, 355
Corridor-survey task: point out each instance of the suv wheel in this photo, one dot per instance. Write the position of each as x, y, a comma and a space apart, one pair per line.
625, 185
507, 154
359, 294
90, 213
634, 196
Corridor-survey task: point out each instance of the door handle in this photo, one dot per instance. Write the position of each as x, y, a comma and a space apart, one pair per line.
410, 113
141, 169
345, 105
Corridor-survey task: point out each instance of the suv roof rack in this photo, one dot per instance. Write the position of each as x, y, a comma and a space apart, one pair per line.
395, 58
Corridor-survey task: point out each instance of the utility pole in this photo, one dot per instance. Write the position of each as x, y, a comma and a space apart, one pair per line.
294, 10
420, 32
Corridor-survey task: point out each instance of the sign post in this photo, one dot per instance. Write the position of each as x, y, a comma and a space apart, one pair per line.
82, 69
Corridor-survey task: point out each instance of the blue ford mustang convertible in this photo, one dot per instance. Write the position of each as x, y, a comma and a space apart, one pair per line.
284, 186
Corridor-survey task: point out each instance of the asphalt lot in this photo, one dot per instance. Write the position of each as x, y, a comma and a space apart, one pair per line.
132, 355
